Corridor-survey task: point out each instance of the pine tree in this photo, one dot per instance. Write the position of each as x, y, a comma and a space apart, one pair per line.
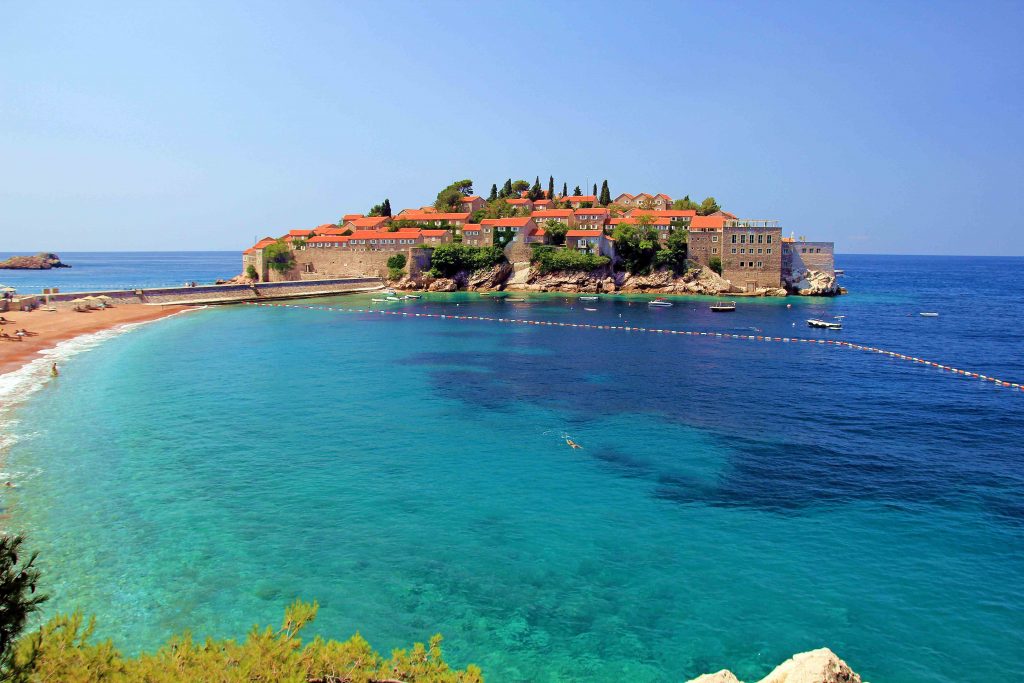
577, 192
385, 209
565, 189
594, 192
551, 187
606, 195
535, 191
506, 189
494, 193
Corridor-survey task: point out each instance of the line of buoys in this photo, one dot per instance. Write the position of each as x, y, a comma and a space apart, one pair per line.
690, 333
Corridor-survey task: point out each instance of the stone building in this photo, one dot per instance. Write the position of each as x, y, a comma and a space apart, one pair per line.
752, 253
644, 200
800, 256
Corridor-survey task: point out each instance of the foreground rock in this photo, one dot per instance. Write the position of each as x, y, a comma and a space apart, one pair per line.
41, 261
816, 666
816, 283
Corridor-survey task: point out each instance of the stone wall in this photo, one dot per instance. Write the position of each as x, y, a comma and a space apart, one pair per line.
224, 293
701, 246
317, 264
812, 256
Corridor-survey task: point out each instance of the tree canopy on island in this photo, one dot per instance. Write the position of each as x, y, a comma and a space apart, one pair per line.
605, 197
279, 256
382, 209
449, 200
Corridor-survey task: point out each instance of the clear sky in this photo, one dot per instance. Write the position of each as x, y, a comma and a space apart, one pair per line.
890, 127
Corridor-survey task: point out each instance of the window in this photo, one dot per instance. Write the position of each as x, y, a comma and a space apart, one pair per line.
769, 238
817, 251
714, 238
714, 250
733, 250
760, 238
768, 250
743, 250
743, 239
760, 264
734, 239
759, 250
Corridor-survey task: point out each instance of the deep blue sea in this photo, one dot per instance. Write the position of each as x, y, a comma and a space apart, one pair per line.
734, 502
98, 271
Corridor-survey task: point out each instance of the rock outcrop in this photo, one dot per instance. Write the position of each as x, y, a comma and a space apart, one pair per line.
491, 278
816, 666
41, 261
815, 283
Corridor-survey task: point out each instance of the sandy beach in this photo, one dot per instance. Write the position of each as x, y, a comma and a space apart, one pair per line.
48, 328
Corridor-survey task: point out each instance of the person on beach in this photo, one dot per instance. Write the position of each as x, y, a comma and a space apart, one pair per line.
53, 370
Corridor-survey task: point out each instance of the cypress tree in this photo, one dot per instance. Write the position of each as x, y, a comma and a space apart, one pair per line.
535, 191
506, 189
494, 193
565, 189
594, 192
385, 210
551, 187
606, 195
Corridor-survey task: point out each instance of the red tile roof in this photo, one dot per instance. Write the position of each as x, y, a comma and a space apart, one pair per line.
471, 227
597, 211
328, 239
552, 213
384, 234
470, 198
542, 202
370, 222
300, 233
584, 233
351, 217
515, 221
631, 220
519, 202
266, 241
583, 198
717, 222
667, 213
435, 233
414, 215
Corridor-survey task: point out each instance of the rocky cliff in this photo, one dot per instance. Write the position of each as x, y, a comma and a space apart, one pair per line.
41, 261
524, 277
816, 666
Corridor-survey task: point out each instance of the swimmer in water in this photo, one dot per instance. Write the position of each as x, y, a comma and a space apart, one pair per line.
53, 370
572, 444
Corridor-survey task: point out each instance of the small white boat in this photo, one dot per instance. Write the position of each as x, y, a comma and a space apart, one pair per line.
723, 306
589, 298
590, 309
391, 298
660, 302
411, 296
824, 324
929, 315
837, 271
379, 300
390, 291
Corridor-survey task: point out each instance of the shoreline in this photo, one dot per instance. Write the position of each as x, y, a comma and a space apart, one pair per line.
51, 328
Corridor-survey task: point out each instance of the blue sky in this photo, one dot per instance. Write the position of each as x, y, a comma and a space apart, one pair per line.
888, 127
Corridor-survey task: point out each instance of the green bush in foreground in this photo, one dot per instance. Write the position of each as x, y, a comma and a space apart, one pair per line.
448, 259
549, 259
64, 650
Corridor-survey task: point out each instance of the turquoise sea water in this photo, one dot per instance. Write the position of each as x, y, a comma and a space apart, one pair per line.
734, 502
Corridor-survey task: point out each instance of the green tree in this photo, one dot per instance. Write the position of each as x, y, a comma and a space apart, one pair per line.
565, 189
494, 193
637, 245
498, 209
606, 196
279, 256
549, 259
396, 266
685, 204
708, 207
449, 259
555, 230
18, 599
551, 187
506, 190
594, 191
673, 256
250, 272
577, 192
386, 208
535, 192
450, 198
519, 187
715, 264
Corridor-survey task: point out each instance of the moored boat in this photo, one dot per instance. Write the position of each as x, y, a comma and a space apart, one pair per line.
929, 315
723, 306
589, 298
659, 302
824, 324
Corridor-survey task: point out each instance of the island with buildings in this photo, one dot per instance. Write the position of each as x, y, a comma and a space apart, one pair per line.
523, 237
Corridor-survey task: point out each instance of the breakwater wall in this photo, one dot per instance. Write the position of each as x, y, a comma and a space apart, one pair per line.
223, 294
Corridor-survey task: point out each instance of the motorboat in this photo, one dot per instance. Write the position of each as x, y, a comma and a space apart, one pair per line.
589, 298
824, 324
929, 315
379, 300
391, 298
664, 303
723, 306
411, 296
837, 271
